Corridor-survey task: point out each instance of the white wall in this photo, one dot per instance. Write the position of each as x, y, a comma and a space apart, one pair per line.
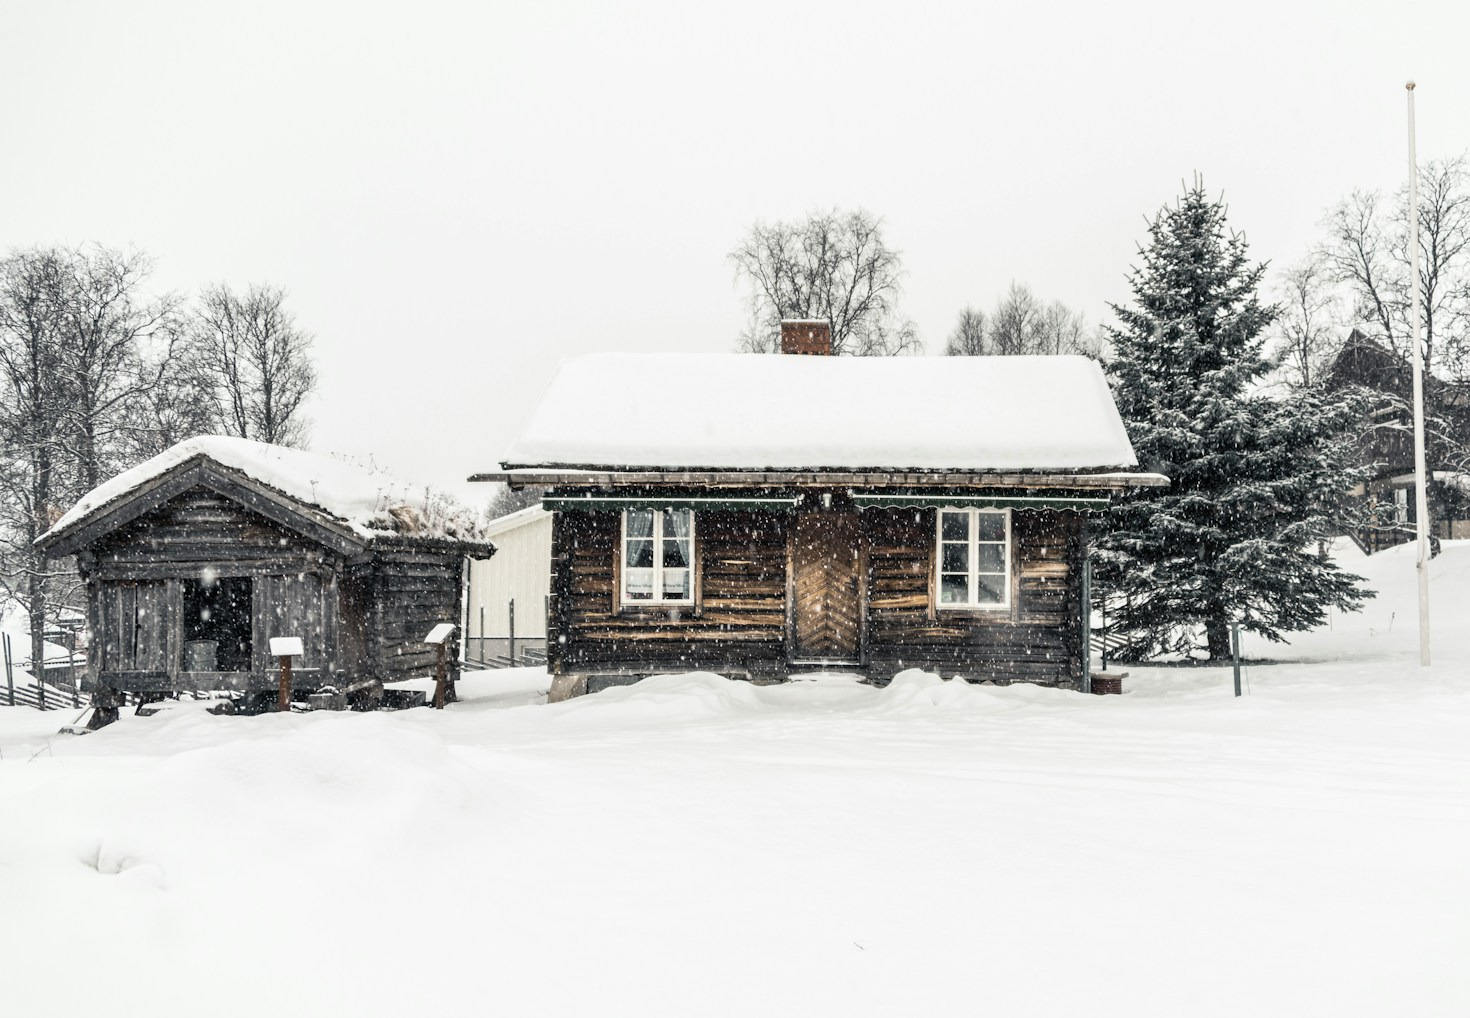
519, 569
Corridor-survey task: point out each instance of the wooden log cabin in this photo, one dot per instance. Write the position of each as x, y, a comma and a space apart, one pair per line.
760, 516
193, 560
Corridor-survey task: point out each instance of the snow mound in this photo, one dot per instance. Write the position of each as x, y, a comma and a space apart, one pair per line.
916, 691
664, 699
671, 700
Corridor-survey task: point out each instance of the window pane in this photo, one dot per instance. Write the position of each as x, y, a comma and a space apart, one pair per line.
676, 553
992, 590
955, 558
640, 522
676, 584
638, 583
992, 527
955, 526
676, 522
639, 556
953, 589
990, 558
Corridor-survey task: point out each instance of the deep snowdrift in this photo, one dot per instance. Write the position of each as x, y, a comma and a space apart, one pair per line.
695, 846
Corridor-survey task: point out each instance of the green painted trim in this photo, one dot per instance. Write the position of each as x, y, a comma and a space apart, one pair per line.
786, 503
936, 499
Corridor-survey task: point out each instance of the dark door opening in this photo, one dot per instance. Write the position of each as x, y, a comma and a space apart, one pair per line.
217, 624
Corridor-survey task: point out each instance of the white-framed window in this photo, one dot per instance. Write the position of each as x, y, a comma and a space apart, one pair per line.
658, 556
974, 558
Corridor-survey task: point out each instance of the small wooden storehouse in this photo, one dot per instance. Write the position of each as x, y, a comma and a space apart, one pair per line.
195, 559
763, 515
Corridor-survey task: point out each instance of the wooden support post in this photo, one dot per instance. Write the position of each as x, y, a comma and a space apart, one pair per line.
440, 638
285, 648
9, 674
283, 701
1235, 652
1086, 620
482, 634
441, 677
512, 632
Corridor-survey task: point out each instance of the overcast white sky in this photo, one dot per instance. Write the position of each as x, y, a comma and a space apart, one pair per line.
457, 195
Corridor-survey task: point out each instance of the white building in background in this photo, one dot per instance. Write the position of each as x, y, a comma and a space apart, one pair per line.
519, 574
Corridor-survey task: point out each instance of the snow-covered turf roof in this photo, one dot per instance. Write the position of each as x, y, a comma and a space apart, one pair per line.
353, 495
745, 412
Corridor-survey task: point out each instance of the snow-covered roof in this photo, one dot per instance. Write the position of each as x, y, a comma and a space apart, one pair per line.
367, 501
514, 521
749, 412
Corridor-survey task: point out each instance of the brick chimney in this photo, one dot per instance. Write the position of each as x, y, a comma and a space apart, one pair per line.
806, 336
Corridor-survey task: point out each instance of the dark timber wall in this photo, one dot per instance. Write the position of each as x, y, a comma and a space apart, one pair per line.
1037, 640
740, 622
414, 586
359, 618
135, 583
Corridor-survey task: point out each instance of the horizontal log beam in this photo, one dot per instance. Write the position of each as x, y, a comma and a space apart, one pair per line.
574, 478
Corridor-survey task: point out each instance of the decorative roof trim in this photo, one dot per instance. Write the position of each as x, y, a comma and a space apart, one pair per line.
886, 500
783, 503
596, 477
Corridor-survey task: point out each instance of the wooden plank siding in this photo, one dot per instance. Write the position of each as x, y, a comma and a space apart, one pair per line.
743, 623
737, 625
1037, 639
202, 528
413, 589
358, 619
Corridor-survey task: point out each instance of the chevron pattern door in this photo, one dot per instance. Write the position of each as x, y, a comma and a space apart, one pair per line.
827, 605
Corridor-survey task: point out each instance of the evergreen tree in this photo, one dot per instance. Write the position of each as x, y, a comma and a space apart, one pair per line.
1258, 483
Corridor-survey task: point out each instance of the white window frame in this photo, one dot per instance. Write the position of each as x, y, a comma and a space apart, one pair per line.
972, 559
659, 597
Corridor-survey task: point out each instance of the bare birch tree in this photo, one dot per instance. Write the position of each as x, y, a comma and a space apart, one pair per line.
117, 348
833, 265
1022, 324
1368, 253
33, 288
970, 335
257, 361
1309, 328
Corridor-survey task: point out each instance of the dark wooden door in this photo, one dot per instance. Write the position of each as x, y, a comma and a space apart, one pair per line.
826, 588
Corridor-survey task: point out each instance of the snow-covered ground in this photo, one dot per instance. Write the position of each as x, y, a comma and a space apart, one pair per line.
695, 847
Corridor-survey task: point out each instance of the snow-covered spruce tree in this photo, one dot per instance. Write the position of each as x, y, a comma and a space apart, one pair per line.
1258, 482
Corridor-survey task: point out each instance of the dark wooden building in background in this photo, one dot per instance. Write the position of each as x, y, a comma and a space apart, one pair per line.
193, 561
760, 516
1385, 443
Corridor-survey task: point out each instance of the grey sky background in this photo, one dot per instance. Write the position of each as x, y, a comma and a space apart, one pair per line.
458, 195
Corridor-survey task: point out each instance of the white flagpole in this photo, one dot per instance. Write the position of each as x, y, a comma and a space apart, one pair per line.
1421, 496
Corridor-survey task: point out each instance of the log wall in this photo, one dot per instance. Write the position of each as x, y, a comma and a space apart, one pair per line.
366, 620
413, 588
738, 624
1038, 639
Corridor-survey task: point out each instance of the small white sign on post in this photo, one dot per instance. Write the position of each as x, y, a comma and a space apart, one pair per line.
286, 646
438, 634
